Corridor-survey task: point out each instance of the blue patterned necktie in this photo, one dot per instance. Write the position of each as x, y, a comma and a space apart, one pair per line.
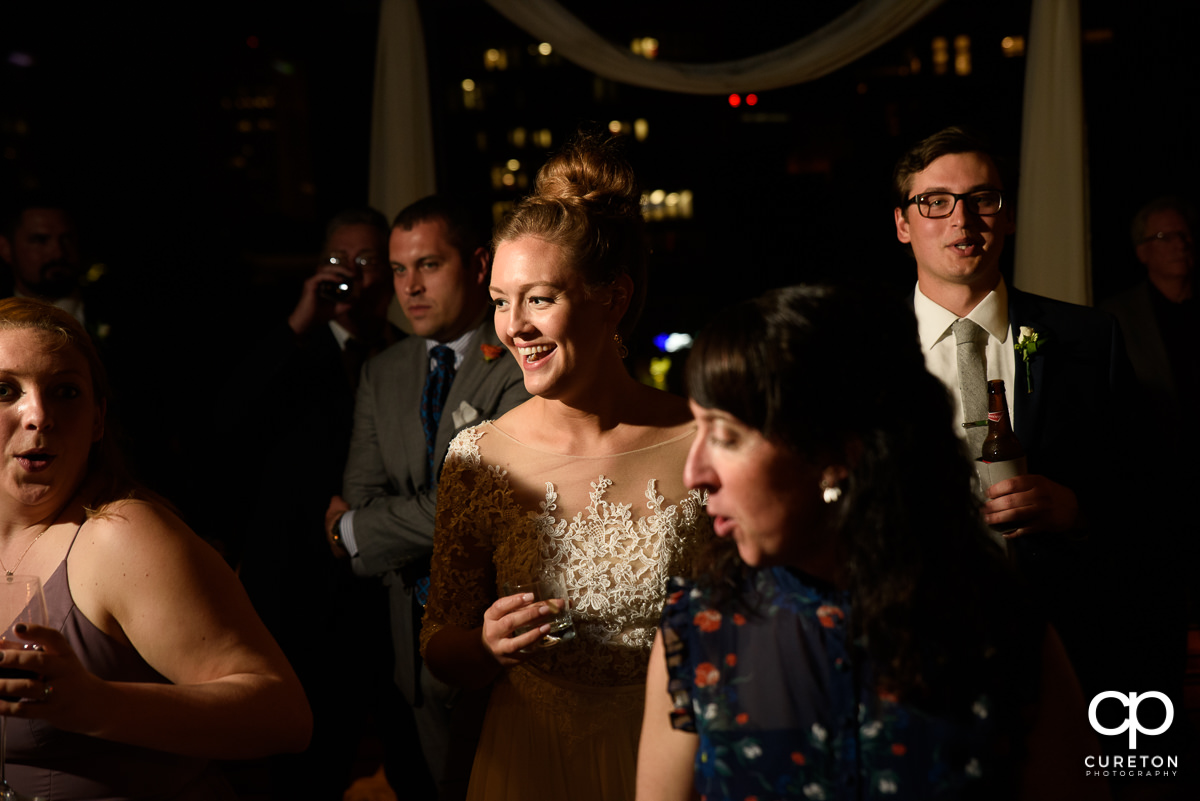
433, 400
437, 387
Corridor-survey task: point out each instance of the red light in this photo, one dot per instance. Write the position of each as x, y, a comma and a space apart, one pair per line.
735, 100
751, 100
252, 42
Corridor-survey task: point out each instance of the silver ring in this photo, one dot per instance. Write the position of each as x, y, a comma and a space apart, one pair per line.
47, 691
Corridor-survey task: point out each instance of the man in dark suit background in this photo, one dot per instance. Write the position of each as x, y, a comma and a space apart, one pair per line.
1066, 403
385, 523
1160, 320
39, 243
296, 382
1158, 314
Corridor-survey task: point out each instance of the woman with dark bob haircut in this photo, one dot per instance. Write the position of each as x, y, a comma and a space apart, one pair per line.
153, 662
854, 632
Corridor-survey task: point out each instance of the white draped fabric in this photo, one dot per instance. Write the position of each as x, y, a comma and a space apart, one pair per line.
1053, 255
401, 135
401, 131
858, 31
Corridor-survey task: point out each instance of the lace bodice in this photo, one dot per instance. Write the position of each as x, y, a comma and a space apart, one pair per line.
615, 526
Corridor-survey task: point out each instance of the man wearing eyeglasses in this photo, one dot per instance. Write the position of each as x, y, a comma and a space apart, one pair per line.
1158, 315
1161, 324
296, 388
954, 213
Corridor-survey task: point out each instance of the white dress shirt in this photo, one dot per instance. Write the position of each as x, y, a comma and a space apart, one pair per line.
940, 349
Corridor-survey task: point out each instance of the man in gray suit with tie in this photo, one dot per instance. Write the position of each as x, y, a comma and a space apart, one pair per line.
412, 400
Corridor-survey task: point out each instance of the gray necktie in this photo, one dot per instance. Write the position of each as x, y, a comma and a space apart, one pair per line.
972, 379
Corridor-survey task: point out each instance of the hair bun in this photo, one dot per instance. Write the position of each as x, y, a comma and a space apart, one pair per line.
591, 173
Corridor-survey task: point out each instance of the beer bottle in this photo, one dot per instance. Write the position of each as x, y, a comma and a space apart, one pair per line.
1000, 444
1003, 457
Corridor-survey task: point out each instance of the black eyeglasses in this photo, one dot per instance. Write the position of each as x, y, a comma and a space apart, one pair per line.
935, 205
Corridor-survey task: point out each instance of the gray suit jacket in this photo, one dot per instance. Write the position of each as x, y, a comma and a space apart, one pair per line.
385, 469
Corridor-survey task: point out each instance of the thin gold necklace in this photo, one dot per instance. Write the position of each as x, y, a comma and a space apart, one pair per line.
8, 574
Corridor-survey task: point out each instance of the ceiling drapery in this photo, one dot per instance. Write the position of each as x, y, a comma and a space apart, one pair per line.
1053, 208
855, 33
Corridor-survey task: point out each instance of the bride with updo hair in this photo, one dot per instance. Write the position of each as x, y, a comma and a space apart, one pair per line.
583, 482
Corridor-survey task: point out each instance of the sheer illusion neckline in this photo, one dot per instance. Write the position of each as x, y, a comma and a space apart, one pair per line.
689, 431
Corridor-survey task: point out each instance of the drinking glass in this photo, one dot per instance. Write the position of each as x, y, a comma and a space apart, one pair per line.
21, 601
551, 590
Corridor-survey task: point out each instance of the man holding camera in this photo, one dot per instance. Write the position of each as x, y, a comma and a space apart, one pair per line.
351, 288
297, 384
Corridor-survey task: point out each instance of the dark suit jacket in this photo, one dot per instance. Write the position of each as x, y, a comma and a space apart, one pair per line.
1134, 310
385, 471
1082, 384
1069, 421
297, 391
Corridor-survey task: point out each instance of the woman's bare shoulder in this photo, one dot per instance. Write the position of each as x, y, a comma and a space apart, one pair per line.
137, 557
136, 517
143, 533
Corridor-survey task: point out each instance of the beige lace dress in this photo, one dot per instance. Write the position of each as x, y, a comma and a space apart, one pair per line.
564, 724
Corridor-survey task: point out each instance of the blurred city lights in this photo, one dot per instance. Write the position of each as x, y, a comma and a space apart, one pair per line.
672, 343
735, 100
646, 47
659, 367
962, 55
941, 54
1013, 46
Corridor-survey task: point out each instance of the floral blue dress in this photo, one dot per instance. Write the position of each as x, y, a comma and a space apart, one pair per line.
785, 707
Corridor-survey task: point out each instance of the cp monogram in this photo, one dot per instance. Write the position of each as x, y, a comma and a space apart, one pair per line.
1131, 722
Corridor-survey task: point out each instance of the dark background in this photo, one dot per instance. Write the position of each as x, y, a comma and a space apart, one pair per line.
204, 147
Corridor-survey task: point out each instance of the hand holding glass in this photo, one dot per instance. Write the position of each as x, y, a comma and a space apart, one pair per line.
551, 591
21, 601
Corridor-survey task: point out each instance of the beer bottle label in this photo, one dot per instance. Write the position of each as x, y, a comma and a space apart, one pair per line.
995, 416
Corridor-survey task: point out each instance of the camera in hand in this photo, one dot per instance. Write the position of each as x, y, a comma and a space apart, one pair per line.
335, 291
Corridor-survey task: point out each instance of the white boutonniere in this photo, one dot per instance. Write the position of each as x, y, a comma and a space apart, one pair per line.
1027, 345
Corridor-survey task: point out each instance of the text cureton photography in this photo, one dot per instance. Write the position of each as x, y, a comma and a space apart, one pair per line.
1131, 765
